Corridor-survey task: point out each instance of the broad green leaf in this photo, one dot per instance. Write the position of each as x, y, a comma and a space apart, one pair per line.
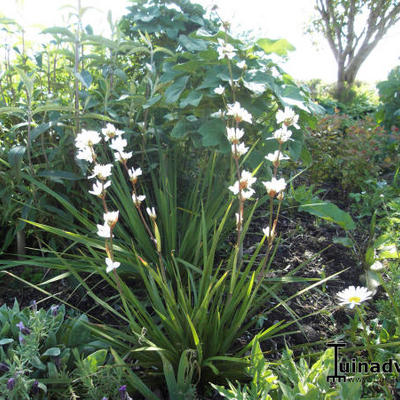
180, 130
279, 46
192, 99
58, 30
329, 212
52, 352
59, 175
192, 44
174, 91
213, 132
15, 155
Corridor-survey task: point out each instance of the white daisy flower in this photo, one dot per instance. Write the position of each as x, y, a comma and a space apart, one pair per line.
246, 181
122, 156
234, 135
104, 231
275, 186
283, 134
134, 173
110, 131
239, 149
118, 144
111, 218
276, 156
288, 117
99, 188
87, 139
225, 50
239, 113
242, 64
354, 296
138, 199
86, 154
151, 212
102, 172
219, 90
111, 265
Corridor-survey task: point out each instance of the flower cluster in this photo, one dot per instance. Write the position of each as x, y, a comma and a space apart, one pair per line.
225, 50
85, 142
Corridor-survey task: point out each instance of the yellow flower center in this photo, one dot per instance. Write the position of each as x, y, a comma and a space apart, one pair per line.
354, 299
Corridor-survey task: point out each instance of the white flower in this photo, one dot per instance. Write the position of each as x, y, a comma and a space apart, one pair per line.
239, 149
219, 90
275, 186
110, 131
134, 173
104, 231
101, 171
87, 139
242, 64
151, 212
118, 144
239, 113
288, 117
234, 135
218, 114
354, 296
276, 156
138, 199
266, 231
111, 265
99, 188
122, 156
86, 154
283, 134
225, 50
111, 217
246, 180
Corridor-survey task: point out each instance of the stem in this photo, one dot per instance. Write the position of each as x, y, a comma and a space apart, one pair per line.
365, 333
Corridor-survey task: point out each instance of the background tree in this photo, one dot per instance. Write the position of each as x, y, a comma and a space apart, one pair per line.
353, 28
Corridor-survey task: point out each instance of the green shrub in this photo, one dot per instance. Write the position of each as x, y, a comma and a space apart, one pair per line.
389, 95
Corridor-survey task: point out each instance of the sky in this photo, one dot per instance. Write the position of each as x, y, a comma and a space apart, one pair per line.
265, 18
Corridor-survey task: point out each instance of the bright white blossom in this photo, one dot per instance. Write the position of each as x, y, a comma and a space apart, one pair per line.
110, 131
219, 90
138, 199
239, 149
266, 231
377, 266
257, 88
102, 172
283, 134
276, 156
151, 212
354, 296
275, 186
246, 181
104, 231
122, 156
99, 188
239, 113
86, 154
118, 144
241, 64
111, 217
134, 173
288, 117
87, 139
111, 265
234, 135
225, 50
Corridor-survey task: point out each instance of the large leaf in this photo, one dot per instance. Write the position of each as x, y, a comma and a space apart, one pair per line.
192, 44
213, 133
174, 91
15, 155
279, 46
329, 212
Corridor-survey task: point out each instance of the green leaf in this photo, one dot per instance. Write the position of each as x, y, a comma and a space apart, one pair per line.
192, 99
96, 359
152, 101
85, 78
6, 341
213, 133
174, 91
192, 44
15, 155
58, 176
279, 46
180, 129
52, 352
329, 212
57, 30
